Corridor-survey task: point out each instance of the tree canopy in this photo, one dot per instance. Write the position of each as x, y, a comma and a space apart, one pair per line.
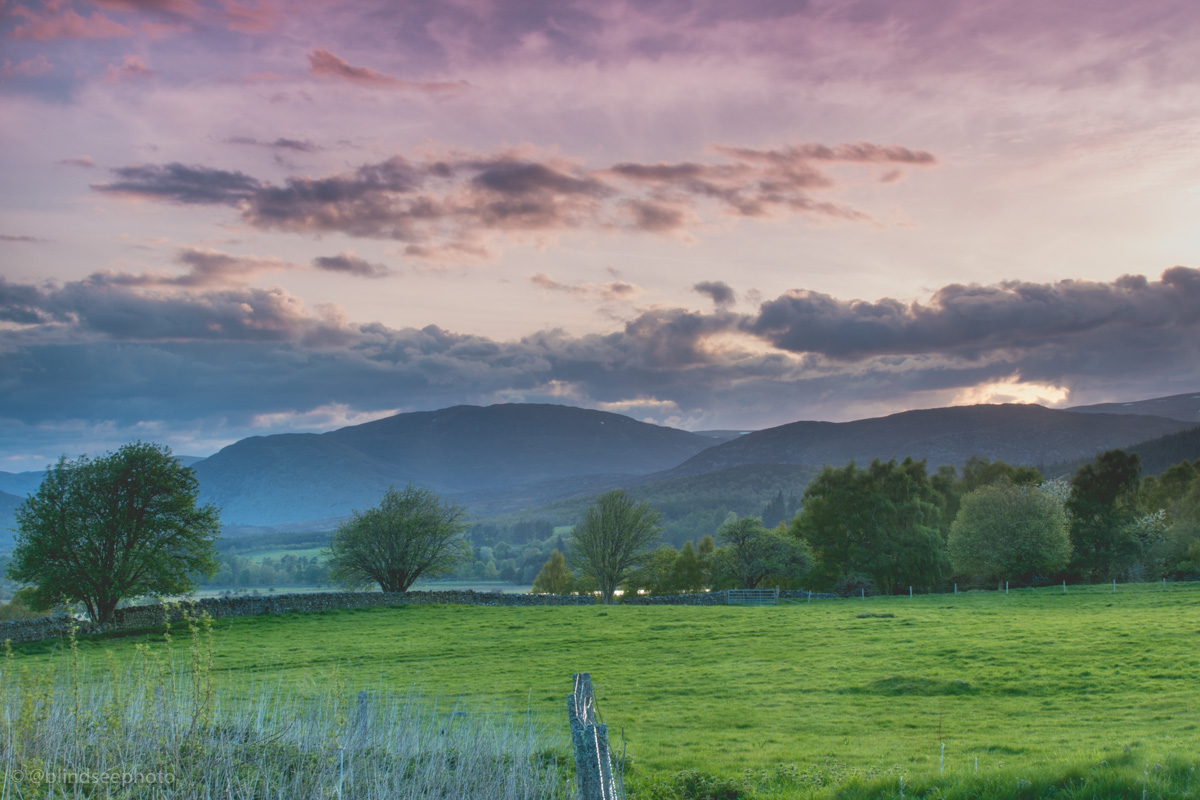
99, 531
882, 522
753, 554
554, 577
1103, 507
616, 536
1010, 532
412, 532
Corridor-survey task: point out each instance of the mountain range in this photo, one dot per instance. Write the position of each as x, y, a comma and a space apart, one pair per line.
503, 459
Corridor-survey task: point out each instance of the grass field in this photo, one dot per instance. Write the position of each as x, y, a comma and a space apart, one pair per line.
1033, 687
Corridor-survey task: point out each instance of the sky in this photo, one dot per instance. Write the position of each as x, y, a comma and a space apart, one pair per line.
225, 218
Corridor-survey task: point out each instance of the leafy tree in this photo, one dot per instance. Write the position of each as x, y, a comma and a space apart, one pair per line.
410, 533
977, 472
686, 574
1008, 531
554, 577
654, 575
882, 522
1103, 506
753, 554
102, 530
615, 537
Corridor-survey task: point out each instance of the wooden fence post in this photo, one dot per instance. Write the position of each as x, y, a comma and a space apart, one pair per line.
593, 764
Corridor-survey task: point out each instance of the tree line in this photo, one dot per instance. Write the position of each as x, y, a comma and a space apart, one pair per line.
100, 531
892, 525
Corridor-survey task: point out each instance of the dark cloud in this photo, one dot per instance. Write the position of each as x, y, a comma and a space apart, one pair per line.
294, 145
973, 321
717, 291
178, 183
98, 351
350, 264
449, 207
7, 237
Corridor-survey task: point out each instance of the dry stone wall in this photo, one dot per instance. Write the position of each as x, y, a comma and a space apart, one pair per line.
148, 616
154, 614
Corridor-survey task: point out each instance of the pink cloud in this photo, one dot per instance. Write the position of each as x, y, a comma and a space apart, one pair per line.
65, 24
324, 64
249, 17
132, 68
29, 68
613, 290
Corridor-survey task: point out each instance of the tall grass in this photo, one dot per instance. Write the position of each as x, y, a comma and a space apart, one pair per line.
159, 727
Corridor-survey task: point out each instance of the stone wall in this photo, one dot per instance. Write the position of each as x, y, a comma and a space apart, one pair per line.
152, 615
149, 616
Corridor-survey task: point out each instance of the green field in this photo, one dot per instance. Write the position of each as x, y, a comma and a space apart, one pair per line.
1031, 686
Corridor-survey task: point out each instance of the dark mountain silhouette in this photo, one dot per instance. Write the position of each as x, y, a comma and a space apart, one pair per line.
455, 451
1183, 407
1018, 434
1155, 455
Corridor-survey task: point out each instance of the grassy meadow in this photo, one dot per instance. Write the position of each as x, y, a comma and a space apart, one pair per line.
1031, 694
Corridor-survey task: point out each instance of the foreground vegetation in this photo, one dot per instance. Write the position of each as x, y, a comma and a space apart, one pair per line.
161, 725
1031, 694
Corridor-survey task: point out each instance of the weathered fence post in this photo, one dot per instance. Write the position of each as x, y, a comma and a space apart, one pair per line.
593, 764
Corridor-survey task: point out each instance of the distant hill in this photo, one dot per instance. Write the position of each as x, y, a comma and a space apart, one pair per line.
456, 451
1183, 407
20, 483
1018, 434
692, 505
8, 520
1156, 454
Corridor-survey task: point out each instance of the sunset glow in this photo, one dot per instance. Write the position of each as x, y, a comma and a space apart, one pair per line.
230, 218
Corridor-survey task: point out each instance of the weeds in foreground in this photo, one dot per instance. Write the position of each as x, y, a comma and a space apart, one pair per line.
161, 728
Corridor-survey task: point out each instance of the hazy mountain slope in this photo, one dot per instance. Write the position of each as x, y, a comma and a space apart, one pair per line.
266, 480
469, 447
692, 505
1156, 454
460, 451
20, 483
1183, 407
1019, 434
8, 520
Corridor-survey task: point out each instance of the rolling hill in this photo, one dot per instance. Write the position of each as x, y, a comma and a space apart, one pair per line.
1018, 434
1183, 407
290, 478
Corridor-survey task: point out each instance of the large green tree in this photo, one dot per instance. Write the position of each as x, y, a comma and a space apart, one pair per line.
882, 522
1103, 508
615, 537
754, 556
99, 531
1010, 532
412, 532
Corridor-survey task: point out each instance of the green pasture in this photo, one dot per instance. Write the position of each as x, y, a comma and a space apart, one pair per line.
1015, 687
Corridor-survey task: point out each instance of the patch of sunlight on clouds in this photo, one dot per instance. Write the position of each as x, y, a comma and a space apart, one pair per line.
326, 417
1012, 390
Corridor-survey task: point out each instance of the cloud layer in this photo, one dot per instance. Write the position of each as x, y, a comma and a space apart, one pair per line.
453, 206
266, 353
